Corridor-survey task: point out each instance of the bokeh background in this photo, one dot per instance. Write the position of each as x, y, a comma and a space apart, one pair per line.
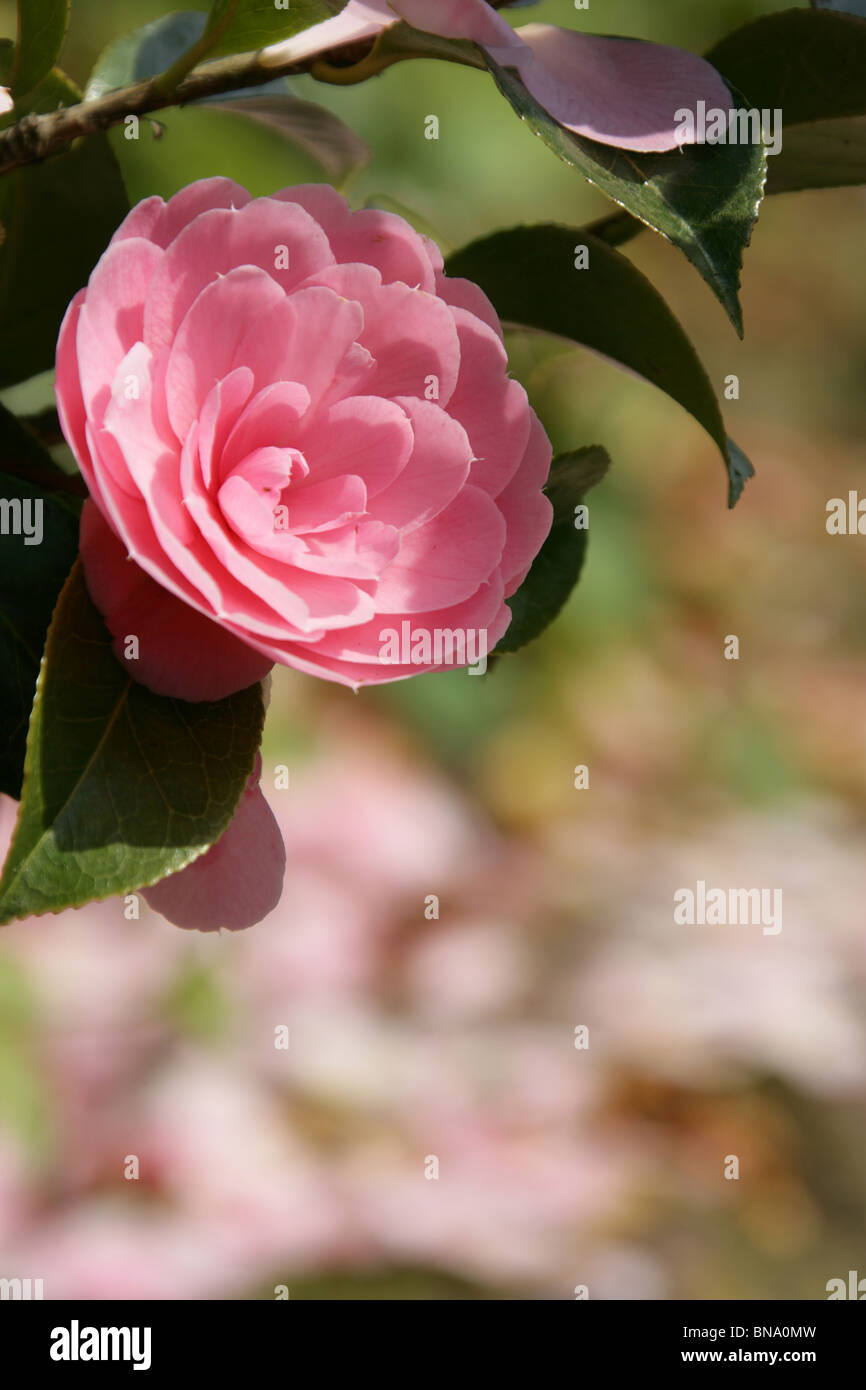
413, 1037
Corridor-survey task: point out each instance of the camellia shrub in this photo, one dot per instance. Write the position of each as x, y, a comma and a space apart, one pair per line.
296, 435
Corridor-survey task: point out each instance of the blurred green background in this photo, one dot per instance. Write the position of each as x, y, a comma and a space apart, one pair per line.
556, 903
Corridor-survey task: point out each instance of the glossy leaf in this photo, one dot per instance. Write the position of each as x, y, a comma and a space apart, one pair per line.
705, 199
121, 787
529, 274
23, 456
809, 63
41, 31
822, 154
558, 565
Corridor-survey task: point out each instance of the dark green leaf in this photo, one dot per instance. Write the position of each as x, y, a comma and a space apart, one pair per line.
557, 566
808, 63
121, 787
56, 218
241, 26
705, 198
22, 455
811, 66
31, 577
41, 31
822, 154
572, 475
529, 274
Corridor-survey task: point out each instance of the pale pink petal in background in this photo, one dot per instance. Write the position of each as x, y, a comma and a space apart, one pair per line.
623, 92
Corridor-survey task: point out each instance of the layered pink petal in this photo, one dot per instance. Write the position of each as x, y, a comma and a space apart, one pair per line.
220, 415
161, 222
67, 391
527, 512
361, 665
240, 608
282, 240
310, 337
305, 602
484, 611
413, 341
491, 407
327, 505
363, 435
444, 562
112, 316
436, 470
270, 418
204, 349
379, 239
409, 334
463, 294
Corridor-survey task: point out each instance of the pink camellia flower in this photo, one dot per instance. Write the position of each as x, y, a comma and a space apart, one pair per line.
298, 435
624, 92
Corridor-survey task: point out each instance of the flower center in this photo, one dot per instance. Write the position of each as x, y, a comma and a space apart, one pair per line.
254, 491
